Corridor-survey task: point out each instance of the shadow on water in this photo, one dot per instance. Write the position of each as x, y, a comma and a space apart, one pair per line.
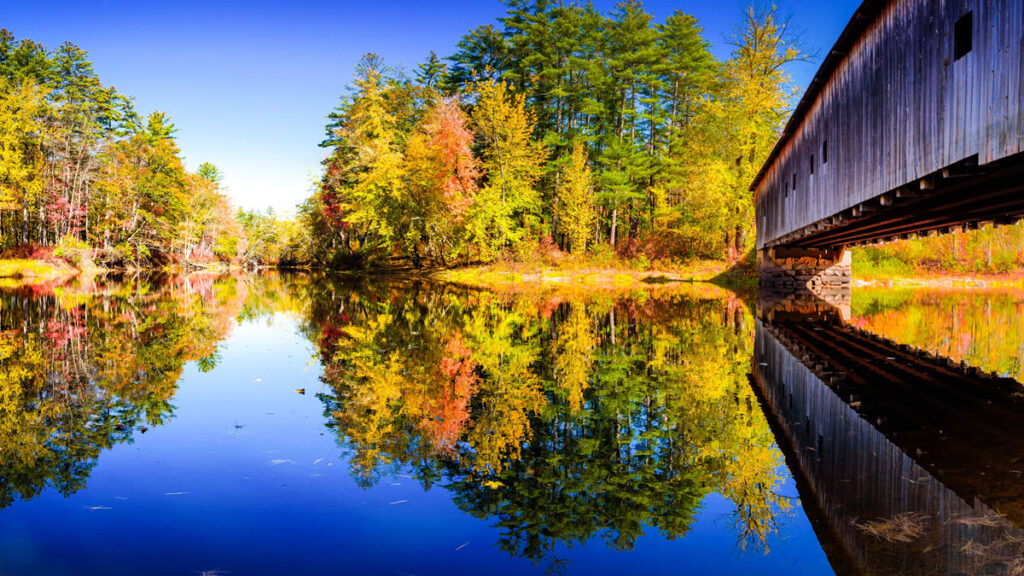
908, 463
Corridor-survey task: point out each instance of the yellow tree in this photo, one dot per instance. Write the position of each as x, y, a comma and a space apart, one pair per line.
372, 137
576, 209
758, 97
508, 206
21, 140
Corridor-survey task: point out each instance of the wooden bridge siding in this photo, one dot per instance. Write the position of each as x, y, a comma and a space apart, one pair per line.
894, 111
857, 474
1002, 79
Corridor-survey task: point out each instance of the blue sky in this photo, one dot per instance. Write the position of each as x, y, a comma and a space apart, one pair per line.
249, 84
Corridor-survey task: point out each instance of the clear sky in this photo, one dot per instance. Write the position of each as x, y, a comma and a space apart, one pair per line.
249, 83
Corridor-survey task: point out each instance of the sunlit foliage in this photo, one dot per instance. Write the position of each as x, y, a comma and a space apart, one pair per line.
82, 171
587, 128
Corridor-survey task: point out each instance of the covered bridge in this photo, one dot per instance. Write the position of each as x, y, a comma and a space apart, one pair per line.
914, 123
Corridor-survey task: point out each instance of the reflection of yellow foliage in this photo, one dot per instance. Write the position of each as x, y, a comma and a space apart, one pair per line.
574, 359
90, 363
23, 413
510, 390
594, 387
984, 329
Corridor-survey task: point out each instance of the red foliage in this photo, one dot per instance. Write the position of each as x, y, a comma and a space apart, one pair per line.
449, 413
548, 250
451, 140
61, 212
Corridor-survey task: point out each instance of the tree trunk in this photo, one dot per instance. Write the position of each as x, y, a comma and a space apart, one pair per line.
615, 223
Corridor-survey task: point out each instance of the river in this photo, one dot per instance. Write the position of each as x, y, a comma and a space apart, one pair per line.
295, 424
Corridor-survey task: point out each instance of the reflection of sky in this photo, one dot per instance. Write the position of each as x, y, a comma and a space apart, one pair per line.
241, 513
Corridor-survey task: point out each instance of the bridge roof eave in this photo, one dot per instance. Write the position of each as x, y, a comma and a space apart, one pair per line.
865, 15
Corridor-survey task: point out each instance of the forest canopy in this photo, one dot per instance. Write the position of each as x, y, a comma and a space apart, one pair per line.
557, 127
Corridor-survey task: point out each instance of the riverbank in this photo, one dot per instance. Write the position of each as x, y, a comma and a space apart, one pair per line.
43, 270
506, 275
49, 270
1012, 280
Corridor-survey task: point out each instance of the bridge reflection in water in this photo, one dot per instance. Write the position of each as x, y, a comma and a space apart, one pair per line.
906, 463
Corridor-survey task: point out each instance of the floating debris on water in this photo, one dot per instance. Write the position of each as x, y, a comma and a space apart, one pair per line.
904, 528
281, 461
95, 508
464, 544
397, 502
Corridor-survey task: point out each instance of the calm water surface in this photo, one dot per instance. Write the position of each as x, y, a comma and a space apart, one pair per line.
285, 424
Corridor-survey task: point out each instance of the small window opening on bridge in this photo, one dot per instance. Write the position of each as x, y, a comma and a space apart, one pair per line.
824, 152
794, 181
962, 32
812, 164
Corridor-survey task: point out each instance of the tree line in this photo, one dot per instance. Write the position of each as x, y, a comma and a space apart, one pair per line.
82, 172
559, 126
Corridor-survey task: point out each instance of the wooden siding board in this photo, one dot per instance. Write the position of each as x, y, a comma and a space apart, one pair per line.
898, 108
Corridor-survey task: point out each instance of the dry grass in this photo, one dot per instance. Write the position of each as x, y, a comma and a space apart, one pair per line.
584, 274
901, 528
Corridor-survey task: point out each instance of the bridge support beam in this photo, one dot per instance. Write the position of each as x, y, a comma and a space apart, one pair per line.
816, 269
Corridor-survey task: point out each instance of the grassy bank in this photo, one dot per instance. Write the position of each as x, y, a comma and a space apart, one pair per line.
611, 274
26, 268
939, 280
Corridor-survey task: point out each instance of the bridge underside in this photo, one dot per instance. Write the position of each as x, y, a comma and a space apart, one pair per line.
964, 195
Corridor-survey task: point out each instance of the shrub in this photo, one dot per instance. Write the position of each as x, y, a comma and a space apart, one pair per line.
72, 249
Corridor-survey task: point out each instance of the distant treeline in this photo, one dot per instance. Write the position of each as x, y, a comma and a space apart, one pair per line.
988, 250
560, 125
83, 173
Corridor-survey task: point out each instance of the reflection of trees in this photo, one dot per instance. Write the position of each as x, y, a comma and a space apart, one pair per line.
82, 368
563, 421
986, 332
